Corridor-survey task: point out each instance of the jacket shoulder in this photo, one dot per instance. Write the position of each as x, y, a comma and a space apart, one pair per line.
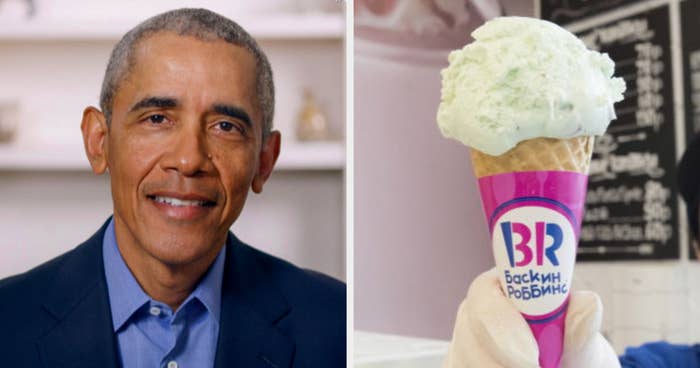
23, 296
22, 315
34, 283
299, 284
30, 285
317, 317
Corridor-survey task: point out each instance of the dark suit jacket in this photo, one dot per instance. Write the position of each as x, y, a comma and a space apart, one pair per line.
273, 314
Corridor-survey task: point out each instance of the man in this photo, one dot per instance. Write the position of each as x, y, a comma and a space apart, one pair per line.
184, 130
490, 332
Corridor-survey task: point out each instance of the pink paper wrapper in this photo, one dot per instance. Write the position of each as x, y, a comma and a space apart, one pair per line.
534, 218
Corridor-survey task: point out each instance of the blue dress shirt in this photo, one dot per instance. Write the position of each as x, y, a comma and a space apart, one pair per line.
148, 333
661, 354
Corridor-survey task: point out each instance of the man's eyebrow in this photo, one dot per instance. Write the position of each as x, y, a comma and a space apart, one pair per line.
234, 112
160, 102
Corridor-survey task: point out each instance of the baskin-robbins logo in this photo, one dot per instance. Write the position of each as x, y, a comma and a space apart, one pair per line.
534, 243
542, 230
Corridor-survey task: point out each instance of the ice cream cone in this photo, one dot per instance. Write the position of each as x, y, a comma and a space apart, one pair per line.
537, 154
539, 183
498, 93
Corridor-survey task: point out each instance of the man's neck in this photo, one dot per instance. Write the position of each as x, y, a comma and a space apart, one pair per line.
167, 283
163, 283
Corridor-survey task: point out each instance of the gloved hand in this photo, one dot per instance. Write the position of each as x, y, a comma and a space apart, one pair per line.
490, 332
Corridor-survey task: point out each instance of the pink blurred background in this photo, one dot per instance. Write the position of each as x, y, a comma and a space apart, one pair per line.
420, 235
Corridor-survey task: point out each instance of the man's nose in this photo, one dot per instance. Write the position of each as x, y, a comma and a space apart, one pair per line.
188, 153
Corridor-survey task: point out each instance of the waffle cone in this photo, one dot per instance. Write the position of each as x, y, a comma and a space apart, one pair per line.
537, 154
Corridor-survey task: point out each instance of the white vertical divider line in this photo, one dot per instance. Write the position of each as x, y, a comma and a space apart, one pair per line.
349, 174
678, 111
679, 120
537, 13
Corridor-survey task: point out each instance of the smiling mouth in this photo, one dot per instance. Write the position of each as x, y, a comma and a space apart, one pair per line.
176, 202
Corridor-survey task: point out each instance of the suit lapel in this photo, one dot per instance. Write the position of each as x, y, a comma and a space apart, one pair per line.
79, 302
251, 309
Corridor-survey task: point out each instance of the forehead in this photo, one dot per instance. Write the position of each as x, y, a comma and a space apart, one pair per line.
189, 68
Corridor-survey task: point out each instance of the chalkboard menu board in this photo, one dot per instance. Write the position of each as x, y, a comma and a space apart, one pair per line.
567, 11
690, 19
631, 208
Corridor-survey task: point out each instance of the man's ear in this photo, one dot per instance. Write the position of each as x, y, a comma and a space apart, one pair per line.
95, 130
268, 156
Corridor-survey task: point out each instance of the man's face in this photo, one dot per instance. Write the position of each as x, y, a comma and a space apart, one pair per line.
184, 146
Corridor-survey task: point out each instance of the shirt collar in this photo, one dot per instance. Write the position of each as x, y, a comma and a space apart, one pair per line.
208, 290
126, 295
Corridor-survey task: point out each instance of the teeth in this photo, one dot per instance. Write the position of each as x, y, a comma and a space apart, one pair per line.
178, 202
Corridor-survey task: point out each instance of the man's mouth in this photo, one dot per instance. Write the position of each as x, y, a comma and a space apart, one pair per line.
182, 206
177, 202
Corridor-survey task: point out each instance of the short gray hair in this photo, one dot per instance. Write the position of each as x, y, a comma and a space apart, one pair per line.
204, 25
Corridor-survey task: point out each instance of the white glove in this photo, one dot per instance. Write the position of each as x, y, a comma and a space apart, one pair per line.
490, 332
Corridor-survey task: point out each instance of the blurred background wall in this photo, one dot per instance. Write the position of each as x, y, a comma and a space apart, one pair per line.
420, 234
52, 60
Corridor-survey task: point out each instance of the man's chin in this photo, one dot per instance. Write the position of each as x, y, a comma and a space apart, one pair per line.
182, 244
184, 253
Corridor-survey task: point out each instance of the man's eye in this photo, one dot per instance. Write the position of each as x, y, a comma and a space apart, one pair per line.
227, 126
156, 119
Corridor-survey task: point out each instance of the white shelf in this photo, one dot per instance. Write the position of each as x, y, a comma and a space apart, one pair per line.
294, 157
312, 156
261, 26
375, 350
